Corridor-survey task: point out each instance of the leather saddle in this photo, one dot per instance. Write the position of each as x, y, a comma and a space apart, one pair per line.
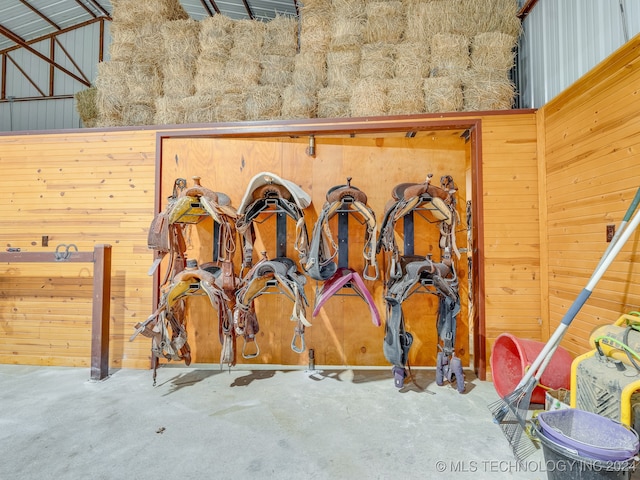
347, 277
267, 191
280, 273
166, 325
320, 264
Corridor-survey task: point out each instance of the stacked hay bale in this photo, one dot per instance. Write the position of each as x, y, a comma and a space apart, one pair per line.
264, 101
131, 81
87, 107
347, 29
300, 99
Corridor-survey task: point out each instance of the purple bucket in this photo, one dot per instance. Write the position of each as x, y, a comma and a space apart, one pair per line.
589, 434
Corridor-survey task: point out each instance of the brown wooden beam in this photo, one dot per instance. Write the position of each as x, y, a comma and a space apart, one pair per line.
101, 312
15, 38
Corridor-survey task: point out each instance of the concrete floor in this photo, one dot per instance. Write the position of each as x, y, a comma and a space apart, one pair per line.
205, 423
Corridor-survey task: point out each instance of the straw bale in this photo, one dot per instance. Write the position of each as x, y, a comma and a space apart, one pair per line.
492, 51
215, 36
242, 70
210, 72
136, 12
149, 47
494, 16
349, 8
333, 102
178, 78
248, 35
376, 60
449, 54
299, 102
169, 111
123, 42
138, 114
144, 82
442, 94
201, 108
482, 92
343, 67
346, 32
385, 22
369, 98
414, 29
315, 5
405, 96
181, 40
281, 36
310, 71
315, 31
113, 89
445, 16
232, 107
264, 102
87, 107
276, 70
105, 121
411, 60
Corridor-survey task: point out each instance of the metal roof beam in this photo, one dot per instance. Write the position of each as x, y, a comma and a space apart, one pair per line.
87, 9
40, 14
15, 38
248, 9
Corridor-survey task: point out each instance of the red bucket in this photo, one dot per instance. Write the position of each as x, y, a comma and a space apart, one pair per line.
511, 357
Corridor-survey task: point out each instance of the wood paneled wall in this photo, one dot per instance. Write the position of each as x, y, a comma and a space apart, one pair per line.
592, 168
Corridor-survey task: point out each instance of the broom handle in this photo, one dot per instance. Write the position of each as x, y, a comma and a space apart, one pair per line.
614, 240
551, 345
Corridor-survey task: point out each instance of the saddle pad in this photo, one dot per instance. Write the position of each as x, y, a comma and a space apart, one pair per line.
300, 197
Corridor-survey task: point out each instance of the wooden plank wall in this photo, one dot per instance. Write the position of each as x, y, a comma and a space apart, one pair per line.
342, 333
87, 187
82, 188
592, 158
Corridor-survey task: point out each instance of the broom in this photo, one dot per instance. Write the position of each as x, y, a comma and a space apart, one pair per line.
510, 412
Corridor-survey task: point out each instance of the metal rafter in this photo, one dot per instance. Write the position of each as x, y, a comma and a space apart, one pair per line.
19, 41
40, 14
87, 9
215, 7
248, 9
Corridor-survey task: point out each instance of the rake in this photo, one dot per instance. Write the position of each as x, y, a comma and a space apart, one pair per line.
510, 412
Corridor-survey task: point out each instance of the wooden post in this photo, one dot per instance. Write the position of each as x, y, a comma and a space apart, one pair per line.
101, 312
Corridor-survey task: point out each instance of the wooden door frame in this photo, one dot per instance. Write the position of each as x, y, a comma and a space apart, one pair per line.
470, 124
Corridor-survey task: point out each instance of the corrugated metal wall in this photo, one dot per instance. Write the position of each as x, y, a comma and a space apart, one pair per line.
564, 39
82, 45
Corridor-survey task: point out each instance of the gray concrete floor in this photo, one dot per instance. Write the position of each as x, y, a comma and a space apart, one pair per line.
205, 423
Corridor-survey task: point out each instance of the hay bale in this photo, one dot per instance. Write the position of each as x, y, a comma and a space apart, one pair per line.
310, 71
123, 42
494, 16
144, 82
411, 60
346, 32
242, 70
231, 107
414, 29
299, 102
405, 96
333, 102
445, 16
369, 98
442, 94
376, 60
315, 27
449, 54
210, 72
134, 114
182, 47
169, 111
276, 70
201, 108
136, 12
149, 45
491, 51
343, 67
488, 92
263, 102
248, 36
113, 89
216, 38
385, 22
281, 36
87, 107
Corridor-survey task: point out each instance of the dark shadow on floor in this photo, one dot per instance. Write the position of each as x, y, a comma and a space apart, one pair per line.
252, 376
188, 379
